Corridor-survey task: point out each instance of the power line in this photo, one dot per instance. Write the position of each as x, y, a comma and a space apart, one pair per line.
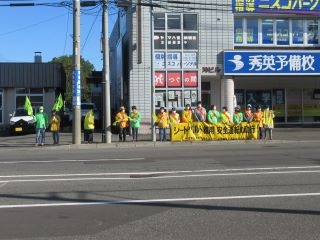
93, 23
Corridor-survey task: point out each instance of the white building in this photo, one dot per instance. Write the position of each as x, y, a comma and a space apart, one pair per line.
170, 53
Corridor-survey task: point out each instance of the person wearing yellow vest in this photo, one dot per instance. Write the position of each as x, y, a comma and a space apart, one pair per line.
200, 113
187, 115
225, 116
55, 126
174, 116
162, 121
122, 122
88, 126
268, 116
258, 118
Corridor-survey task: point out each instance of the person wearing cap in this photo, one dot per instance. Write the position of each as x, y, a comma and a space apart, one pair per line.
258, 118
268, 116
237, 115
88, 126
248, 114
42, 122
122, 120
55, 126
162, 122
213, 115
200, 113
187, 114
174, 116
134, 118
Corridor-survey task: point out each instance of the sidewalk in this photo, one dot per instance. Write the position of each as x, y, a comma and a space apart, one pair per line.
27, 141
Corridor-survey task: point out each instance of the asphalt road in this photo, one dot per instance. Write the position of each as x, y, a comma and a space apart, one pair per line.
255, 190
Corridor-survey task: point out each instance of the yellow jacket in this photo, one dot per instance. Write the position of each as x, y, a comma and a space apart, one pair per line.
174, 118
163, 120
268, 116
187, 116
55, 123
122, 119
258, 118
89, 121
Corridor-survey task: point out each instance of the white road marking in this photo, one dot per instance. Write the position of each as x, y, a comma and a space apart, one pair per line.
153, 177
73, 160
159, 172
164, 200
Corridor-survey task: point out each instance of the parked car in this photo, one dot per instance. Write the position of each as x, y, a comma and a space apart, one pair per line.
85, 107
21, 122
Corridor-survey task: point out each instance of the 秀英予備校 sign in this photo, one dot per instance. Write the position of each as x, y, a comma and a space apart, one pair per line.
271, 63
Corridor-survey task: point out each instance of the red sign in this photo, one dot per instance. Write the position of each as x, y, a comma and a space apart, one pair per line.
174, 79
160, 79
190, 79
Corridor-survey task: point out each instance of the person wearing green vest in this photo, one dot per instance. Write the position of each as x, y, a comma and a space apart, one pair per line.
42, 122
88, 126
134, 118
237, 116
213, 115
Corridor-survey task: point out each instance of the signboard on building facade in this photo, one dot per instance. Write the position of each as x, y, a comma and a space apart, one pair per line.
190, 79
276, 6
210, 69
271, 63
174, 79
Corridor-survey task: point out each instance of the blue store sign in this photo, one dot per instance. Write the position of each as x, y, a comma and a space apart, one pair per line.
271, 63
276, 6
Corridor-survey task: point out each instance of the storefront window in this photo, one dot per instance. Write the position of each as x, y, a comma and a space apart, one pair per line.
159, 21
190, 41
267, 31
282, 31
160, 98
238, 31
35, 95
279, 105
259, 97
311, 106
174, 21
190, 22
174, 99
312, 32
173, 60
190, 97
159, 41
297, 31
252, 31
158, 61
294, 109
174, 40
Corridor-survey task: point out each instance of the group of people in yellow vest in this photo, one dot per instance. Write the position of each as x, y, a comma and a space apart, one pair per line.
123, 121
263, 118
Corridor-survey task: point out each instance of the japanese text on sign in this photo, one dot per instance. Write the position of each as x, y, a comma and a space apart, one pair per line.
276, 6
272, 63
217, 131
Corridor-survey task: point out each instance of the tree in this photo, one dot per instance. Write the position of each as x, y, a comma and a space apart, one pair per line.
86, 69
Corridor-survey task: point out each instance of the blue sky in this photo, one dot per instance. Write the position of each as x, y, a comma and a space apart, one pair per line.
48, 29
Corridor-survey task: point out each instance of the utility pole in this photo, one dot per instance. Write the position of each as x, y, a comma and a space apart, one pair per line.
76, 100
106, 125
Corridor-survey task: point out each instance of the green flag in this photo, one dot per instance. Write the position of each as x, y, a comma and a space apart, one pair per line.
58, 104
27, 106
